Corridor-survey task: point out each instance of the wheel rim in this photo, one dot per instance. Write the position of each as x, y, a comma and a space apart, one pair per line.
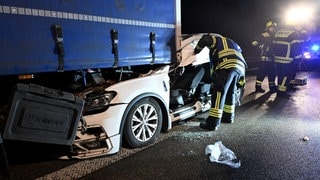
144, 122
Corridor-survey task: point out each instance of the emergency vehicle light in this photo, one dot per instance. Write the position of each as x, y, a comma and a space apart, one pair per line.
312, 51
315, 47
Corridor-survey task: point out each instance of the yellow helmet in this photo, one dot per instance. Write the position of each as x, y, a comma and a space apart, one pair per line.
270, 24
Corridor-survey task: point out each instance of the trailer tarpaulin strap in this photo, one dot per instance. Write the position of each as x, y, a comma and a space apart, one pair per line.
152, 38
114, 41
60, 49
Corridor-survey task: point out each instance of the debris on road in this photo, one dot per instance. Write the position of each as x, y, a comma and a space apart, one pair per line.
220, 154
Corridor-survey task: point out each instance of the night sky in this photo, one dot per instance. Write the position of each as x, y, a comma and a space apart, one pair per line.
240, 20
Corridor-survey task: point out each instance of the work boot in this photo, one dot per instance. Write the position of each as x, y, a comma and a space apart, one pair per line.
227, 117
259, 89
206, 126
227, 120
211, 124
283, 94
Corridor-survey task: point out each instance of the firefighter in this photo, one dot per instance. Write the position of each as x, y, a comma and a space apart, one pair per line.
266, 65
304, 37
287, 47
227, 70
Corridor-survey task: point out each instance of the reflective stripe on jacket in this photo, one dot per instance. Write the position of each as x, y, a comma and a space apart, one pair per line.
287, 46
224, 53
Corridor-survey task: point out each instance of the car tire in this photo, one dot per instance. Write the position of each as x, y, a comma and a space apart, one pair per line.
143, 123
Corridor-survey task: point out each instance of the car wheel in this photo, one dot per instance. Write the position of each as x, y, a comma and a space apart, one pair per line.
143, 123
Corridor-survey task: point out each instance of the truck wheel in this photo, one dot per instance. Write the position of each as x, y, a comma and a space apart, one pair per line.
143, 123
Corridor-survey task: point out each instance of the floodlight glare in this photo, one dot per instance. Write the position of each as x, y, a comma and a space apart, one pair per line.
299, 14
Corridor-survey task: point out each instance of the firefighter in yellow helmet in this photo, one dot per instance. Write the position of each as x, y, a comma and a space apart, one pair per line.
287, 47
227, 69
266, 66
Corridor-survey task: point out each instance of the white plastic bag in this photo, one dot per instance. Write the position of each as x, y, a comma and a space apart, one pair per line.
220, 154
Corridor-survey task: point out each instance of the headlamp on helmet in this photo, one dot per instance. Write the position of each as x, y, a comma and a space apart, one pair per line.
270, 24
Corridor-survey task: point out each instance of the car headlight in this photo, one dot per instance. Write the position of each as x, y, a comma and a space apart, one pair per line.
98, 101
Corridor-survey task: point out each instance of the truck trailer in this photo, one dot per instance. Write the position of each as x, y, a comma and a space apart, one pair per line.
95, 75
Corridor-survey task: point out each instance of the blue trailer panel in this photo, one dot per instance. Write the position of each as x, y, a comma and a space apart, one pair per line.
29, 42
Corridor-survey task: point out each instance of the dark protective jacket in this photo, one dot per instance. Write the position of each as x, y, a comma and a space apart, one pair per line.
287, 45
224, 53
264, 42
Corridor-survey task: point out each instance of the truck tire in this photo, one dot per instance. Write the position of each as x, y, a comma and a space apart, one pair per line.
143, 123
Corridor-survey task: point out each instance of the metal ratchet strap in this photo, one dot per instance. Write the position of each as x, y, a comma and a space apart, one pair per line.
152, 38
114, 40
59, 43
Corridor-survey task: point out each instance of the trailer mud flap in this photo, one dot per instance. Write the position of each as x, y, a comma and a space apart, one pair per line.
43, 115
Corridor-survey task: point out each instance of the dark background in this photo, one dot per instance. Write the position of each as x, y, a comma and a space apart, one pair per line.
240, 20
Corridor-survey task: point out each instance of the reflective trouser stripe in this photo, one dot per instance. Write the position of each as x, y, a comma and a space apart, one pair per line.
216, 113
282, 86
258, 83
215, 110
229, 108
218, 100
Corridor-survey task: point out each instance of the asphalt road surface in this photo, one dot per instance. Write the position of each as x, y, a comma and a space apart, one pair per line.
266, 137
